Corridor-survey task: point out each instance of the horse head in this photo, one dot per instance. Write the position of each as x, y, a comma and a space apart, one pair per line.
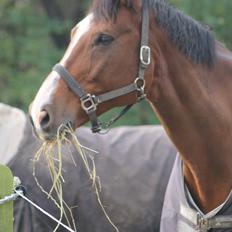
103, 55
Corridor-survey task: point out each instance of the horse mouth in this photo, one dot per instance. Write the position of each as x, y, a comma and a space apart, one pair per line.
52, 135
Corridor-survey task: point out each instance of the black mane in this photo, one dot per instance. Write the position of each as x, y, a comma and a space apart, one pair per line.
191, 38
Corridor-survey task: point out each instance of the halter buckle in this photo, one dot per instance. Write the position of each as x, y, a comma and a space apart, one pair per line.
88, 103
145, 55
202, 223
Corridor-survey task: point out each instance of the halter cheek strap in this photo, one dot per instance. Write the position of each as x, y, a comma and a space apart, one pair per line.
90, 102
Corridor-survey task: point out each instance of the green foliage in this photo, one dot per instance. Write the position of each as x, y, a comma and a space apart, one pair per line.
139, 114
27, 51
216, 14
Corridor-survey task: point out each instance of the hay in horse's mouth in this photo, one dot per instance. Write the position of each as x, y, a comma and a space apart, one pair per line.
63, 131
52, 151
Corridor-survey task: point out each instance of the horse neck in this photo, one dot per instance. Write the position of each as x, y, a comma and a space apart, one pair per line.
190, 103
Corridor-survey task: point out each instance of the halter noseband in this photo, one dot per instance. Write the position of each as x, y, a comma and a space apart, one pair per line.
90, 102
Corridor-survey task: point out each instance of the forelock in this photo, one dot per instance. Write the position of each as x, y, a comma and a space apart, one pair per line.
108, 9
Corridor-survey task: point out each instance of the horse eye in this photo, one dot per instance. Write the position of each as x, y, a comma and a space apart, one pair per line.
104, 39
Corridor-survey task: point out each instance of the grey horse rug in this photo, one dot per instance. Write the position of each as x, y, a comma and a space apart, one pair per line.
181, 213
134, 165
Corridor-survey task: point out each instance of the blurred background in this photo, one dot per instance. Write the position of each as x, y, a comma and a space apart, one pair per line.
34, 34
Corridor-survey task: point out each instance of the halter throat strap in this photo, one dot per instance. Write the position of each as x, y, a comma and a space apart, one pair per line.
90, 102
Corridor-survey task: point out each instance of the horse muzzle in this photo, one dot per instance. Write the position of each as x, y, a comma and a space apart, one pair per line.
45, 126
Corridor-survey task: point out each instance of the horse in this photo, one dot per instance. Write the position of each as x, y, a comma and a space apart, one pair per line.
126, 50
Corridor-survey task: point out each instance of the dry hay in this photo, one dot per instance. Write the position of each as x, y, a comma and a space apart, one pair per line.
52, 151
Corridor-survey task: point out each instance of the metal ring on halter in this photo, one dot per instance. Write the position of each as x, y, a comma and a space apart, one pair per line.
139, 83
140, 87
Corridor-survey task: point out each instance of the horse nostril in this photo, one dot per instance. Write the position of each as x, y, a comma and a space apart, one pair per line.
44, 119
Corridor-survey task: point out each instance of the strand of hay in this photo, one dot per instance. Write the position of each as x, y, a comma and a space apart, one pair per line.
52, 151
54, 161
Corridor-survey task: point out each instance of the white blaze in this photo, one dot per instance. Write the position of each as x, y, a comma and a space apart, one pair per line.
49, 87
82, 28
44, 96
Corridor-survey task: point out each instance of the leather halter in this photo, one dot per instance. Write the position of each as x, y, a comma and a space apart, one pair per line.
89, 102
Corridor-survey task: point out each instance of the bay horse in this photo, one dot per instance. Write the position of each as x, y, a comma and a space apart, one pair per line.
120, 53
